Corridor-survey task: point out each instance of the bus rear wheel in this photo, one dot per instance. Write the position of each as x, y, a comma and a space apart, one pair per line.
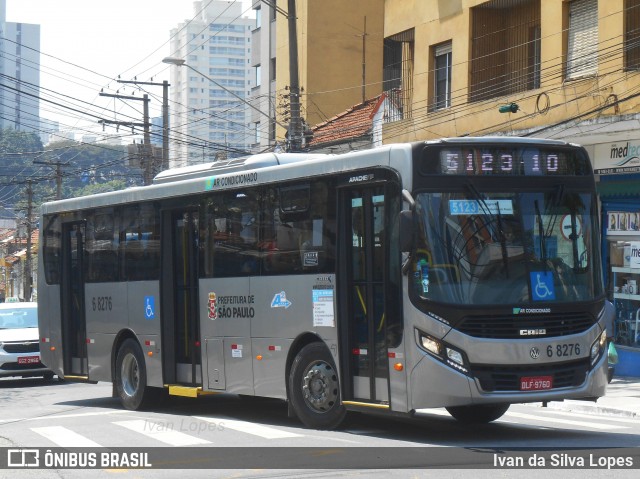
131, 376
314, 390
479, 414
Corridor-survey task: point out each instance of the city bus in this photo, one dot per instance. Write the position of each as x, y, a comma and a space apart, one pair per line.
461, 273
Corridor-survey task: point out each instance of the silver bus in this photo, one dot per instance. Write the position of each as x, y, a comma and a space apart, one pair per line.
461, 273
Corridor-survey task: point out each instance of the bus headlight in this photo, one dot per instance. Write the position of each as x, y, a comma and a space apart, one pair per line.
455, 356
597, 348
430, 344
442, 351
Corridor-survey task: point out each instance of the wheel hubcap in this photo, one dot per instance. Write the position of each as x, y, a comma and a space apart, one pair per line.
320, 387
130, 377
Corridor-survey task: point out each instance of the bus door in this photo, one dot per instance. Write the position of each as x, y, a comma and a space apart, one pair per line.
181, 329
72, 301
366, 377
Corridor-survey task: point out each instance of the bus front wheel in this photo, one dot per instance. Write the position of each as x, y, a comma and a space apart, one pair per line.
314, 390
479, 414
131, 376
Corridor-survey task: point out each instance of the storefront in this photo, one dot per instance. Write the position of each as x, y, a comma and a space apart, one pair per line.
619, 192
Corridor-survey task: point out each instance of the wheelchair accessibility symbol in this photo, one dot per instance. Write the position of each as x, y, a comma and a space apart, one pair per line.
149, 307
542, 286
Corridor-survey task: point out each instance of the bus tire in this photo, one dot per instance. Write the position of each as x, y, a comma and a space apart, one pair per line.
314, 389
131, 376
479, 414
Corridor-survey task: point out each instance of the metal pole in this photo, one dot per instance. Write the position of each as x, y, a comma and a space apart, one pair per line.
295, 125
165, 125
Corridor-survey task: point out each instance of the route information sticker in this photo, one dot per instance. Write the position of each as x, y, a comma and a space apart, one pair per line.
323, 308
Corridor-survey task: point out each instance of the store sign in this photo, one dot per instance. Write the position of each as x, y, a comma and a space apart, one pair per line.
634, 258
619, 157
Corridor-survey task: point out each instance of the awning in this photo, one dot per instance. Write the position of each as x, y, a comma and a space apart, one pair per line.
618, 189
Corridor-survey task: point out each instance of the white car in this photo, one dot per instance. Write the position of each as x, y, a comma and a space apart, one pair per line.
19, 341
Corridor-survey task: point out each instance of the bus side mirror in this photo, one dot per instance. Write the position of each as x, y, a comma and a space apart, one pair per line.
406, 231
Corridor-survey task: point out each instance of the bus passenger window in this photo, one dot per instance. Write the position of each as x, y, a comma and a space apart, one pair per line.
101, 247
235, 246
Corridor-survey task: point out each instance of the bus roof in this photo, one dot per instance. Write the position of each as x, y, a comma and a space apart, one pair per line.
272, 168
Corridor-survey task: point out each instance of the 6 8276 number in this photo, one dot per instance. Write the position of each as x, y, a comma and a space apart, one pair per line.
563, 350
102, 303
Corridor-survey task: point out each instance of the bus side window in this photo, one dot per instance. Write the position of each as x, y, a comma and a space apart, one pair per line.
208, 230
235, 250
52, 249
101, 247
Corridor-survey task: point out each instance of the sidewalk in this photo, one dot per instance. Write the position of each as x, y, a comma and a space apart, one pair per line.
622, 399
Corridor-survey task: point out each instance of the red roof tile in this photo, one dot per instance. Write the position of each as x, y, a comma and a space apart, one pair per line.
350, 124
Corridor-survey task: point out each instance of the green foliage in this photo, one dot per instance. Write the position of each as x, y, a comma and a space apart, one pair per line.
85, 168
12, 141
114, 185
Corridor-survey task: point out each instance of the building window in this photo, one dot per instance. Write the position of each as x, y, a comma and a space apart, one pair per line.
398, 73
272, 69
257, 132
258, 17
258, 69
632, 35
582, 47
442, 76
505, 48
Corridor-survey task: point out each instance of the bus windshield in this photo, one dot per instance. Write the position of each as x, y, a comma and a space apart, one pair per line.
505, 248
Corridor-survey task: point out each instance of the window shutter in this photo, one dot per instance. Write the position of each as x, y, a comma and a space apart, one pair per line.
582, 50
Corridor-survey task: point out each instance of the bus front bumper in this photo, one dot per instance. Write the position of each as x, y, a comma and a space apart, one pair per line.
434, 384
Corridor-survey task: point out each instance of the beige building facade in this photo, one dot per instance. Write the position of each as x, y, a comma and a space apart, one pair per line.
556, 60
339, 57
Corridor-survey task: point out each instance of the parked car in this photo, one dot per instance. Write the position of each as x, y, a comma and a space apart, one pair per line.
20, 342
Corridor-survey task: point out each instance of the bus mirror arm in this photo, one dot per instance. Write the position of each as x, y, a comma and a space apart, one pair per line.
406, 231
409, 199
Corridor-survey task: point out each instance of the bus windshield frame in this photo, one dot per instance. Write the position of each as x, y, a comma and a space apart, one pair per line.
506, 246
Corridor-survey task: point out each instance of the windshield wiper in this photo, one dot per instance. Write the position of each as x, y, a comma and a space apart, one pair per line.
499, 234
503, 241
543, 246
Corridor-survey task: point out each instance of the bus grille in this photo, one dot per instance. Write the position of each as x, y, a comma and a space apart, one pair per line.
494, 378
510, 326
24, 347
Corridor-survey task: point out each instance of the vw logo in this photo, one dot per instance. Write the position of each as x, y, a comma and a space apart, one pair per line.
534, 353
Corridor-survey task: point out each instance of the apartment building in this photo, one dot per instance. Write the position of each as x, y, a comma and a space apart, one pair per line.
208, 96
263, 65
19, 74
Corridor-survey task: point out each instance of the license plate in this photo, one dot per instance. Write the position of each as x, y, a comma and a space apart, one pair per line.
29, 360
536, 383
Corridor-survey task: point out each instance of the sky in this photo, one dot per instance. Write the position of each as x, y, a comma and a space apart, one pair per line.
86, 44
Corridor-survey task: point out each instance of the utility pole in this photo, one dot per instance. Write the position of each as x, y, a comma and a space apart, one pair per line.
165, 117
58, 165
295, 123
147, 157
27, 278
364, 60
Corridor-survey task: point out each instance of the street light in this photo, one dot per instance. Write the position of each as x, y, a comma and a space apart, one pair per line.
179, 62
